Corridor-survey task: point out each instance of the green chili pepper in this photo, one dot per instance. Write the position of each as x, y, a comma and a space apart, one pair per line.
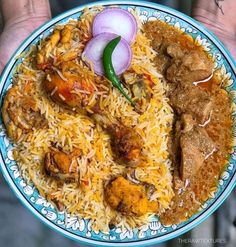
109, 69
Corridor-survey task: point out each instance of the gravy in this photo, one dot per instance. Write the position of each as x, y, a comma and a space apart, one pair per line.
191, 193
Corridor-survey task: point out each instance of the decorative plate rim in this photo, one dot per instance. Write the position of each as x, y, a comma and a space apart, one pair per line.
64, 232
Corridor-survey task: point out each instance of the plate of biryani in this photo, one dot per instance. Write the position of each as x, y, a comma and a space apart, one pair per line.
118, 123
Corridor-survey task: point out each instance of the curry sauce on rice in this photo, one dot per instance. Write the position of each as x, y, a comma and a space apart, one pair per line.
116, 147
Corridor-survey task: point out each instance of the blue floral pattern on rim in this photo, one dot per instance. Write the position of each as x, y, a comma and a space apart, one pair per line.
80, 229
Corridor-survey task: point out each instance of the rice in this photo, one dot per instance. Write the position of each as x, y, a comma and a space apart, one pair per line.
71, 130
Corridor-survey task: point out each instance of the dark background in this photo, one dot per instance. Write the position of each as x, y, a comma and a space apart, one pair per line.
19, 228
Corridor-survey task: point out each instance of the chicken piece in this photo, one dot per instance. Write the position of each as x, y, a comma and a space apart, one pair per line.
139, 90
68, 87
192, 100
195, 146
43, 59
126, 144
68, 56
132, 177
140, 87
46, 57
128, 198
142, 92
66, 34
21, 113
188, 68
130, 77
61, 165
63, 91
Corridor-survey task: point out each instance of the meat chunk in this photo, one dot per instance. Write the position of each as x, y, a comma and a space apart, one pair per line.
61, 165
157, 42
128, 198
126, 143
175, 51
191, 67
195, 146
187, 123
192, 100
162, 62
177, 56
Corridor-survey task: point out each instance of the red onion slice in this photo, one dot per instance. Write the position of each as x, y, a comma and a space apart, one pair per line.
93, 52
118, 21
